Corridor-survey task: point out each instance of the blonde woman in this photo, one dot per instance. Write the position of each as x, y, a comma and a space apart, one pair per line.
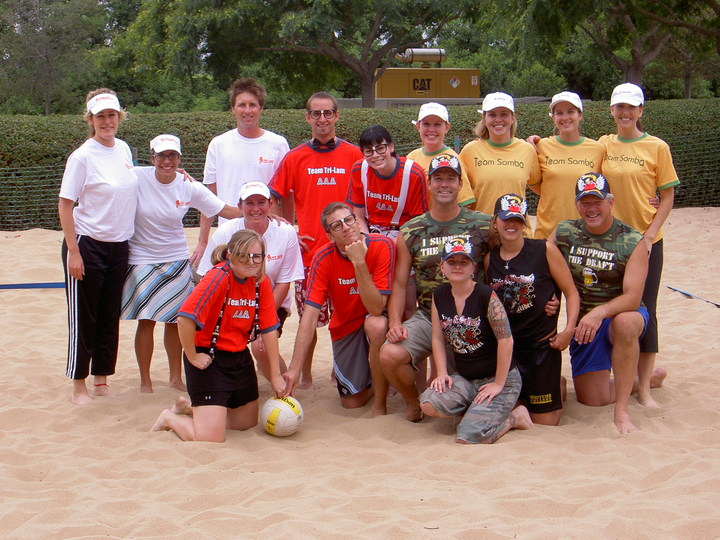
99, 177
231, 305
497, 162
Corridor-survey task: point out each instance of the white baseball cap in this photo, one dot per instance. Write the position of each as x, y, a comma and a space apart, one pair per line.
571, 97
497, 99
432, 109
165, 142
253, 188
103, 101
628, 93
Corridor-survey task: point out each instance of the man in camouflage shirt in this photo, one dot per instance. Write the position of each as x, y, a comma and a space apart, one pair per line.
419, 248
609, 261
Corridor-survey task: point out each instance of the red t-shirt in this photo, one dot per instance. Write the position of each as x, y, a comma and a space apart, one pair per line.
317, 178
333, 275
204, 303
382, 196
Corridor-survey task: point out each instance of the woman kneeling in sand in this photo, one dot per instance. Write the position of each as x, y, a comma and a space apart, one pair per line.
228, 308
471, 319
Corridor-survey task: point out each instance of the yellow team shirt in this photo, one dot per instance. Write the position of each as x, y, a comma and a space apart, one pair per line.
423, 158
495, 170
561, 164
636, 169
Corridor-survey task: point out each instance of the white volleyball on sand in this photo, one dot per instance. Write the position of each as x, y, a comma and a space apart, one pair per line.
281, 416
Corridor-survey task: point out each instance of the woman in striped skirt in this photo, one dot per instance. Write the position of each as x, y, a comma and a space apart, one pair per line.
159, 277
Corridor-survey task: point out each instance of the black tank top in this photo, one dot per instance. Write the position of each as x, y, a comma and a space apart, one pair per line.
524, 288
469, 334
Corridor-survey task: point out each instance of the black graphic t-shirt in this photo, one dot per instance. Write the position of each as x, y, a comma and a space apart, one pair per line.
469, 333
524, 287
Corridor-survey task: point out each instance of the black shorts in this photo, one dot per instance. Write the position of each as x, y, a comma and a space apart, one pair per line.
540, 367
229, 381
282, 314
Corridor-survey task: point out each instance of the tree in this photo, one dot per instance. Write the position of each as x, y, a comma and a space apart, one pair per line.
628, 38
363, 37
44, 45
695, 15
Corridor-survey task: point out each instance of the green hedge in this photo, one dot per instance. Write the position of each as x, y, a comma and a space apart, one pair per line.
33, 149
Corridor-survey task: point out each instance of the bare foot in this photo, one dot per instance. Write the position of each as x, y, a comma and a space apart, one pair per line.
101, 389
80, 394
624, 424
146, 388
391, 391
522, 417
657, 377
379, 409
177, 385
81, 398
414, 414
563, 388
305, 384
182, 406
647, 401
161, 424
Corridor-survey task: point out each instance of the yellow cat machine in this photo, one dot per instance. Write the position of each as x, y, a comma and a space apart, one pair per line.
427, 82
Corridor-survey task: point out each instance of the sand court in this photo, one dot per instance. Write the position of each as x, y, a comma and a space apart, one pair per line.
96, 471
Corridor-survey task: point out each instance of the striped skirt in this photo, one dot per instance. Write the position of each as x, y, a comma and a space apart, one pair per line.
156, 291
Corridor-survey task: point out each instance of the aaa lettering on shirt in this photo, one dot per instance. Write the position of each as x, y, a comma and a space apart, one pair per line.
240, 303
349, 283
322, 172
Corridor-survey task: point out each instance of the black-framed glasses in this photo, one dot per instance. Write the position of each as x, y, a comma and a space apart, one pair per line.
256, 258
325, 113
172, 156
337, 226
379, 148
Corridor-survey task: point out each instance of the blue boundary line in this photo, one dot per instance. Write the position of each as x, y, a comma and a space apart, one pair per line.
55, 285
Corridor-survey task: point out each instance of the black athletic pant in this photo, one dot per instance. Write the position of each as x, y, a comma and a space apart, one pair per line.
649, 342
94, 307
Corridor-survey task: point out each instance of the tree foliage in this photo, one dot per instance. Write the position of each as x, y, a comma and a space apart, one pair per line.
45, 46
361, 37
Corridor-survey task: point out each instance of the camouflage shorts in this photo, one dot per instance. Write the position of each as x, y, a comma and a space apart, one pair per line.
481, 423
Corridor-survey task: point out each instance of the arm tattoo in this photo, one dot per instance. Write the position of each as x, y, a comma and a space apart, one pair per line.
498, 318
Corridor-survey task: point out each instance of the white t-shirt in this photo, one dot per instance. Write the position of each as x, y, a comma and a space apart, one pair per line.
283, 262
103, 182
159, 235
233, 160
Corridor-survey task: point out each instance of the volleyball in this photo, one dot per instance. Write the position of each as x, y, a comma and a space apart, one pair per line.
281, 416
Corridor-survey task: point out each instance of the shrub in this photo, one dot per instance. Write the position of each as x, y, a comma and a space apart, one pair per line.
33, 149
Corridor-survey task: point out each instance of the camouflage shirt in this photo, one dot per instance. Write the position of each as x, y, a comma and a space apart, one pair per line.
425, 238
597, 261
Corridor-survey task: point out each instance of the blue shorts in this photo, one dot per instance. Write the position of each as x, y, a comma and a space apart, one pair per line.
597, 355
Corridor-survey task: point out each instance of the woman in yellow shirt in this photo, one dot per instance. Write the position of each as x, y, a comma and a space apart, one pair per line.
563, 158
496, 162
638, 165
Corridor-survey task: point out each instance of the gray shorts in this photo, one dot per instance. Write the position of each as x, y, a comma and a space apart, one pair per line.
350, 363
419, 341
481, 423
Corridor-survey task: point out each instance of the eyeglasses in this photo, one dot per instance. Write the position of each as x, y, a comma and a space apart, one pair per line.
255, 258
379, 148
325, 113
172, 156
337, 226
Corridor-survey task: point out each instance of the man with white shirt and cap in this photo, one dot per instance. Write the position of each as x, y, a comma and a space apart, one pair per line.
283, 263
